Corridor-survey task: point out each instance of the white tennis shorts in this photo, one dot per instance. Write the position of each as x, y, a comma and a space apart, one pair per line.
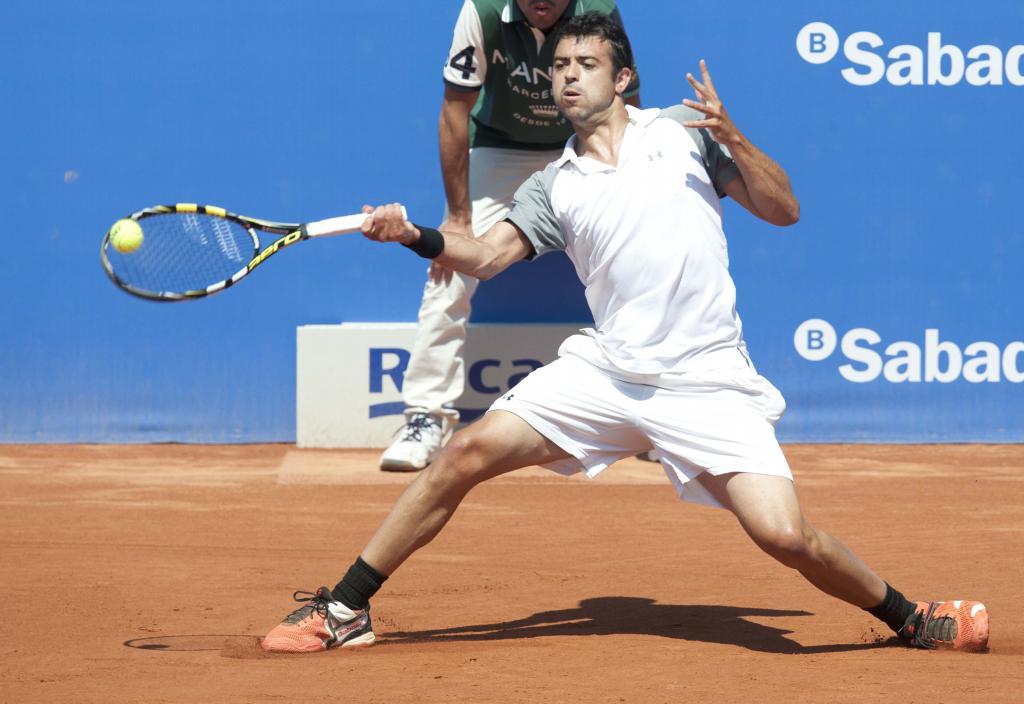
718, 421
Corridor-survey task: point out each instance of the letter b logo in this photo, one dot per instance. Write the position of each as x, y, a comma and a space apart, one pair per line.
815, 339
817, 43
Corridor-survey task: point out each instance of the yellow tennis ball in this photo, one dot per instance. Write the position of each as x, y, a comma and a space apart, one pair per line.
126, 236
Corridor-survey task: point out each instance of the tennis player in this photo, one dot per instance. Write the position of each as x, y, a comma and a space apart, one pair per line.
498, 124
634, 200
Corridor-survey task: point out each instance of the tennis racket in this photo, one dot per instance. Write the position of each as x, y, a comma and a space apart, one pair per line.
190, 251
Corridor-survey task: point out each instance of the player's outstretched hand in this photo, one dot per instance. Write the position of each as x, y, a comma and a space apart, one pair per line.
387, 223
716, 119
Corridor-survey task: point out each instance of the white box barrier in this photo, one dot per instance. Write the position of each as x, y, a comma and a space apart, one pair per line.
349, 376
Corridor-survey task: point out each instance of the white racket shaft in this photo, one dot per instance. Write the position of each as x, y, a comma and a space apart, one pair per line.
341, 225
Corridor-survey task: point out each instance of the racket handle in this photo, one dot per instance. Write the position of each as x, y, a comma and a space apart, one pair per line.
341, 225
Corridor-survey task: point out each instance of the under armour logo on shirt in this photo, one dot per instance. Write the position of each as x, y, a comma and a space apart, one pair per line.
655, 155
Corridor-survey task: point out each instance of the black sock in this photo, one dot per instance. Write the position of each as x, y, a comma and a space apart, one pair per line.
895, 609
359, 584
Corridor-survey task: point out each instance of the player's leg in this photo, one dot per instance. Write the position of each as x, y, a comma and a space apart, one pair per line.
567, 416
715, 436
720, 422
330, 618
769, 511
500, 442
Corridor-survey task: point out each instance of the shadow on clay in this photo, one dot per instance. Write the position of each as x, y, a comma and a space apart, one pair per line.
231, 646
599, 616
619, 615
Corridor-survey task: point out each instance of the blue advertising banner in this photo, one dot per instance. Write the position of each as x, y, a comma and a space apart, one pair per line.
892, 312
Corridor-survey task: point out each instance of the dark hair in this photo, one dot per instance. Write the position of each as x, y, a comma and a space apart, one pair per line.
596, 24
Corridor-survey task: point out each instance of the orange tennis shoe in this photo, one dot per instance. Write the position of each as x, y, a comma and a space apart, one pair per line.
949, 625
320, 624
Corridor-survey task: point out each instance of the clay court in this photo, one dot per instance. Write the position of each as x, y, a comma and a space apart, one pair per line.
148, 574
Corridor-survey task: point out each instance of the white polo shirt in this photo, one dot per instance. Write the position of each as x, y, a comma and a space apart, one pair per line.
647, 242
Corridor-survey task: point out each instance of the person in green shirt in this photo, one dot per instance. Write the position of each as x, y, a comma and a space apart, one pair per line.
498, 125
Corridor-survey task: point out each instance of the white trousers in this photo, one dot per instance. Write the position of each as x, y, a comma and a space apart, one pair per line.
435, 377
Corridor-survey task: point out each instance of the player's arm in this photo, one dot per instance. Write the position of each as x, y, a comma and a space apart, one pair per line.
464, 74
482, 257
762, 186
453, 138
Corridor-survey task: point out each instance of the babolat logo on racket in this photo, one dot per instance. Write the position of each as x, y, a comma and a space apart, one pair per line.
272, 249
938, 360
935, 62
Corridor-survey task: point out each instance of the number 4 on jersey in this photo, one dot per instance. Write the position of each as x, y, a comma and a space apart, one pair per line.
463, 61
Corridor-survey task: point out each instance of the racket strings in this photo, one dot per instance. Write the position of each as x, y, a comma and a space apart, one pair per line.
183, 252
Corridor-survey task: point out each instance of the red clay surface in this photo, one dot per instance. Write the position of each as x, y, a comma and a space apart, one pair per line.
148, 573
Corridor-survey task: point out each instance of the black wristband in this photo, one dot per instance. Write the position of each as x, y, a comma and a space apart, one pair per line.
430, 244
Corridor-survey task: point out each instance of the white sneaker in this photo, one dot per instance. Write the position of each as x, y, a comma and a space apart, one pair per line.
416, 443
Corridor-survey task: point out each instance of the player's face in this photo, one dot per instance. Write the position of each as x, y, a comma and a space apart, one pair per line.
542, 14
583, 80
